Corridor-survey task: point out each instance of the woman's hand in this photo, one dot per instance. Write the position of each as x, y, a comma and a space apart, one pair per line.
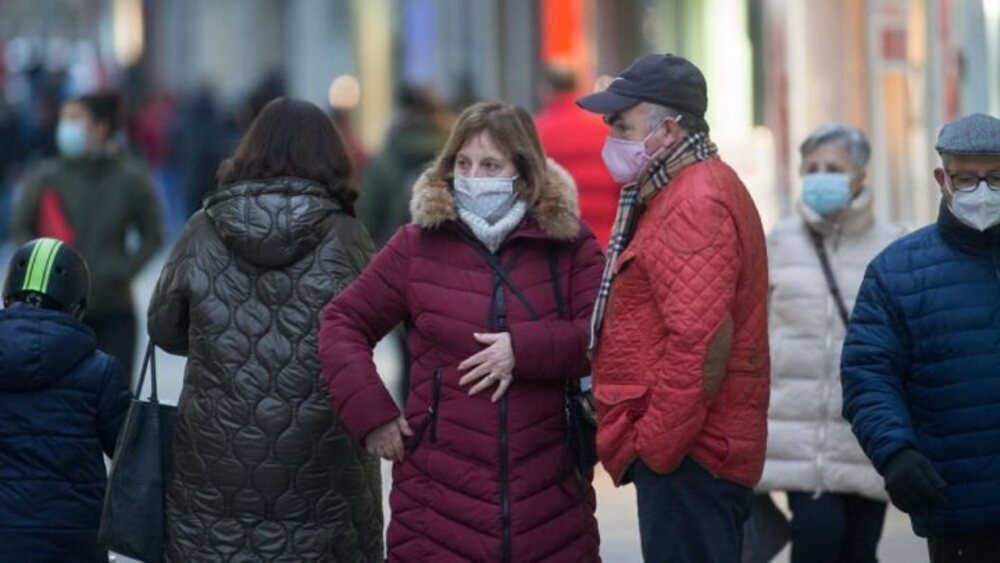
387, 441
495, 364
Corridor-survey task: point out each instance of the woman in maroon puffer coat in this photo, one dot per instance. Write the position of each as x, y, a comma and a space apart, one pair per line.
482, 468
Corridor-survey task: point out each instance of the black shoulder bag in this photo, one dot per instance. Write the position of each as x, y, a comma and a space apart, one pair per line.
581, 415
133, 516
831, 281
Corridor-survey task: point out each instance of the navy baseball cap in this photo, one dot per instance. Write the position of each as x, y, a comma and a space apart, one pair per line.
666, 80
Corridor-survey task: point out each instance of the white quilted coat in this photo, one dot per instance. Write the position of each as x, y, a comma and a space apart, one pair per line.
810, 447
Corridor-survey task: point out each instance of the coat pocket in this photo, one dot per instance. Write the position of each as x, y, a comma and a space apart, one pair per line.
429, 423
619, 406
620, 396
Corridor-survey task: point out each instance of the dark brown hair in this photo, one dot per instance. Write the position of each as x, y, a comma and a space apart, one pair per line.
104, 108
512, 129
560, 77
293, 138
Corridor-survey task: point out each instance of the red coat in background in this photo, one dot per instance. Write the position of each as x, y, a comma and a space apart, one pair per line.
682, 367
574, 138
480, 475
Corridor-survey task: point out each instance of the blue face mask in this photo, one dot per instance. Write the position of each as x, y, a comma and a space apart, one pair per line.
71, 138
826, 192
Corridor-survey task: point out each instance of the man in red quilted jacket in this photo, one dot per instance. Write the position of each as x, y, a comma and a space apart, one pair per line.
679, 334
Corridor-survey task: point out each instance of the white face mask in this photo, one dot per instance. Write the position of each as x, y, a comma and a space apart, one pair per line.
979, 209
488, 198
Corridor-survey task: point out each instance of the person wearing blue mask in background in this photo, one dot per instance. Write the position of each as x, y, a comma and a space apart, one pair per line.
836, 497
93, 197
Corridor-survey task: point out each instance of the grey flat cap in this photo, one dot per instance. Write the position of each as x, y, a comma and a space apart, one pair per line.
973, 134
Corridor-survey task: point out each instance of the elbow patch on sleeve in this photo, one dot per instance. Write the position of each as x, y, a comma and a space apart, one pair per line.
713, 368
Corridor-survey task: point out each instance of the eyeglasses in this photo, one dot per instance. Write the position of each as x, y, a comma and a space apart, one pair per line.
968, 182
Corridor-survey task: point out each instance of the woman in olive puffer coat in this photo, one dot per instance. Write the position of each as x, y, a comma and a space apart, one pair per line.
262, 468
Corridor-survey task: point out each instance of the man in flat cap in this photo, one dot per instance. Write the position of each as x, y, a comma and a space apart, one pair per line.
921, 363
679, 334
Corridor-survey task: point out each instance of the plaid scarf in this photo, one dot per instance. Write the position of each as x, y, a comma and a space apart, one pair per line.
656, 176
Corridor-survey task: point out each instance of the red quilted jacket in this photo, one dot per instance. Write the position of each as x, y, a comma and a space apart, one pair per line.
484, 481
682, 367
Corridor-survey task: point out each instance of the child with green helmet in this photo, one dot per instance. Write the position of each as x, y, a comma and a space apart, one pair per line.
62, 403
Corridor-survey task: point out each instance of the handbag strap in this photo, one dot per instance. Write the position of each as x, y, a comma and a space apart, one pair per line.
149, 362
550, 250
500, 273
831, 280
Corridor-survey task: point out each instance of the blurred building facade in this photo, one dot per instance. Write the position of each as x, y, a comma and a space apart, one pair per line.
776, 69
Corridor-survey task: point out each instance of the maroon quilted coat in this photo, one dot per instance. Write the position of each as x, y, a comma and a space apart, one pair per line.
483, 481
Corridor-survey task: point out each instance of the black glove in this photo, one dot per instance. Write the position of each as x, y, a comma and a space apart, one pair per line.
913, 483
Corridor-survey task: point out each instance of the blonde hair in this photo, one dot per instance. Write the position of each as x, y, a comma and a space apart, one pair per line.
513, 131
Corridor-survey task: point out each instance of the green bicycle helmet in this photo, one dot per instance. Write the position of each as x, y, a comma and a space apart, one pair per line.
50, 274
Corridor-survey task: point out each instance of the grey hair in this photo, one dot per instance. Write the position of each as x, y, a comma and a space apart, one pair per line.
853, 140
688, 121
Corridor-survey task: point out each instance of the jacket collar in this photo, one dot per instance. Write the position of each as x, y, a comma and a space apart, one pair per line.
556, 214
858, 217
965, 238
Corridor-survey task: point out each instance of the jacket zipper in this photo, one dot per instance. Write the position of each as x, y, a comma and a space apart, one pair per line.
430, 419
504, 481
435, 407
501, 326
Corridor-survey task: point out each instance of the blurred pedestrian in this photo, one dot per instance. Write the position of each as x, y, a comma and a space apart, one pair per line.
263, 470
416, 137
482, 470
574, 138
344, 121
39, 119
62, 403
817, 260
679, 336
921, 362
150, 129
94, 197
200, 138
414, 140
10, 157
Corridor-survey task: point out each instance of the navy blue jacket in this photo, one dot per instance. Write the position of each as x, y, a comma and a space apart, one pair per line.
921, 366
62, 403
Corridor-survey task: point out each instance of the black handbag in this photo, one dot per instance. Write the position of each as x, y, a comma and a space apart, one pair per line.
133, 516
581, 414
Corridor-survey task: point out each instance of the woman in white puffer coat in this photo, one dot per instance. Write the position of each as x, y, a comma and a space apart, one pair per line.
836, 497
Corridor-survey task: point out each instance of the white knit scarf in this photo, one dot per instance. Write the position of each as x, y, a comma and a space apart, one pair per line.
493, 235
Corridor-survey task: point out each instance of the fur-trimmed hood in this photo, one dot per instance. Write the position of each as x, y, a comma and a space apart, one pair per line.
557, 210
